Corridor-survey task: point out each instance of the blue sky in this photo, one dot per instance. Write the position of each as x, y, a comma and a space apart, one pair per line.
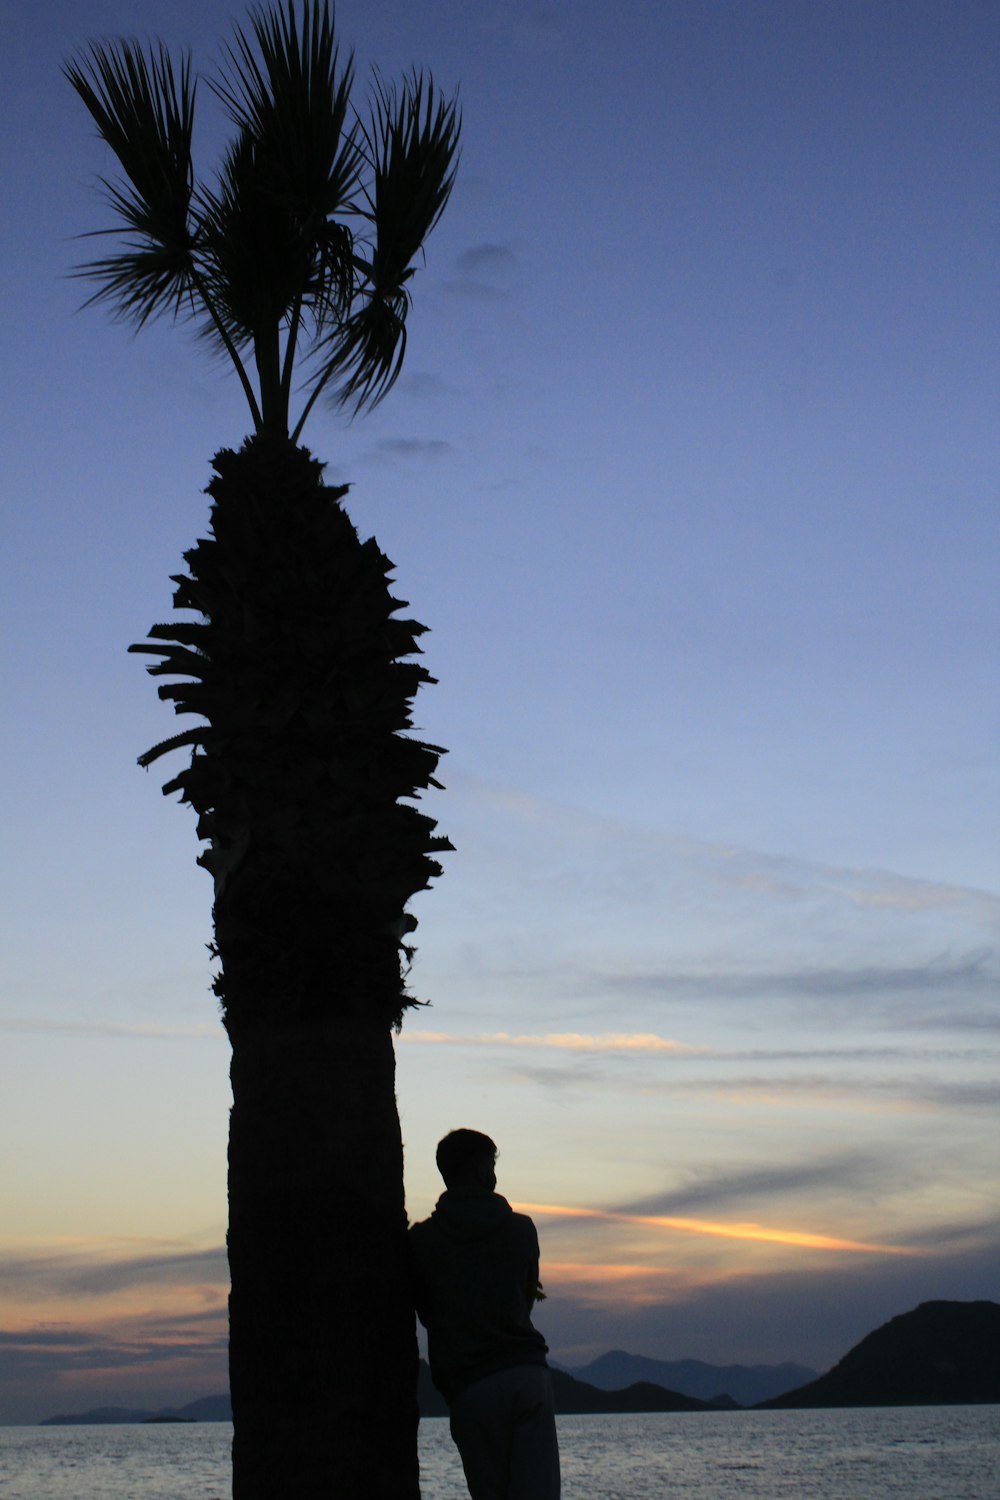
693, 473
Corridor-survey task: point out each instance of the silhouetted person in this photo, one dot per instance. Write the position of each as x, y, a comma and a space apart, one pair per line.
475, 1270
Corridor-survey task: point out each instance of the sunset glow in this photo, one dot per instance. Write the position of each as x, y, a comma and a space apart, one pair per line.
791, 1237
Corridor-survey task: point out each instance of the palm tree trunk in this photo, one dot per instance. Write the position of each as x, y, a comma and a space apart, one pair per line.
323, 1354
273, 400
304, 779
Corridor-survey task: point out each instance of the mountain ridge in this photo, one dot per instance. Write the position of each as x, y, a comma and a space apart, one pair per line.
939, 1353
746, 1385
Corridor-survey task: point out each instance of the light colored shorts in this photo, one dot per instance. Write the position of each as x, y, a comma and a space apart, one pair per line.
504, 1427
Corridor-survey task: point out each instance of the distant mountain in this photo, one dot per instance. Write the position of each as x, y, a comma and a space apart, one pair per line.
940, 1354
744, 1385
205, 1409
574, 1397
100, 1414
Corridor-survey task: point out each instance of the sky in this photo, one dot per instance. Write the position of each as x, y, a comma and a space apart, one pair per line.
693, 472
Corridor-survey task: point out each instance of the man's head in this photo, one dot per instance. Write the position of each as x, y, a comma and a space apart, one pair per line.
466, 1158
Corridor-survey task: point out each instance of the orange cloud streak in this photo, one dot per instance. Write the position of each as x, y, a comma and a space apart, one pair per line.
568, 1041
798, 1238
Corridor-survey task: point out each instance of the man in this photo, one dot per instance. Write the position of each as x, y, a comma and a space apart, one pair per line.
475, 1274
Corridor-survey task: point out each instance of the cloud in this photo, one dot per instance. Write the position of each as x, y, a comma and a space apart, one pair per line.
598, 1283
973, 972
484, 272
149, 1339
598, 915
102, 1270
129, 1031
651, 1044
640, 860
853, 1172
486, 260
856, 1093
408, 450
425, 385
784, 876
971, 1237
536, 26
799, 1239
956, 991
193, 1268
644, 1042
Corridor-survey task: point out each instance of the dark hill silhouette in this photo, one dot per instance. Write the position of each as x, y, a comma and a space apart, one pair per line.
208, 1409
204, 1409
940, 1354
743, 1385
98, 1416
573, 1397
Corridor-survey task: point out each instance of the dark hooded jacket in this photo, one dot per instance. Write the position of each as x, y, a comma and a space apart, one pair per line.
475, 1272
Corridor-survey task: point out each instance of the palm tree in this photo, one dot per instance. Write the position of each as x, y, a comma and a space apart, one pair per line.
301, 674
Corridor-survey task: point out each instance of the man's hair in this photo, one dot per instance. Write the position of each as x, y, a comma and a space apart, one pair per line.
463, 1155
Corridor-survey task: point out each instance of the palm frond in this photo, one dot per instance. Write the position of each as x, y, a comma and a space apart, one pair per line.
413, 149
282, 255
254, 265
410, 147
369, 348
144, 112
294, 101
306, 244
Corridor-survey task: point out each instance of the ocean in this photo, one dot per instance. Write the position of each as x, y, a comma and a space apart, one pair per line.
913, 1453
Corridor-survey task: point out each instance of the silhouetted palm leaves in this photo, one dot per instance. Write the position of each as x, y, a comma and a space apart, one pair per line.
307, 241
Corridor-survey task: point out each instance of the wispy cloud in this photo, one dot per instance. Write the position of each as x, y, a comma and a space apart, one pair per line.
124, 1030
145, 1340
626, 1285
796, 1238
971, 973
784, 876
851, 1172
486, 260
603, 917
651, 855
413, 450
102, 1269
569, 1041
536, 26
854, 1092
425, 385
484, 272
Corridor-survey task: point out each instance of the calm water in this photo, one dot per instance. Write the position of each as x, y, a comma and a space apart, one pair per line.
920, 1453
